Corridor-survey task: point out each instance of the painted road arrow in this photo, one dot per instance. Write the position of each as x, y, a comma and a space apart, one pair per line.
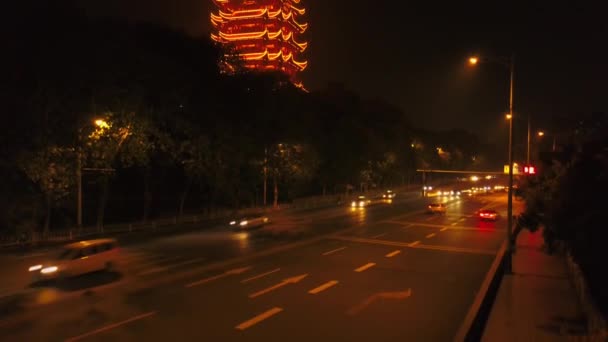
399, 295
219, 276
287, 281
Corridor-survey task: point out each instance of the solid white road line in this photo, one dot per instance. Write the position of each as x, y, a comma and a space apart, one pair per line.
110, 327
168, 267
430, 235
414, 243
334, 251
219, 276
260, 276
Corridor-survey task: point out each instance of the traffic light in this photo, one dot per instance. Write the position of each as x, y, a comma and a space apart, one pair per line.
529, 170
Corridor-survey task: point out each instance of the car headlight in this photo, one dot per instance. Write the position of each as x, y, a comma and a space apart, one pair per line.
353, 204
383, 196
361, 203
265, 219
50, 269
232, 223
244, 223
35, 268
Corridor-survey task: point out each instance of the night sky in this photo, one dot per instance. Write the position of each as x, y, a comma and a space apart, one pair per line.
414, 55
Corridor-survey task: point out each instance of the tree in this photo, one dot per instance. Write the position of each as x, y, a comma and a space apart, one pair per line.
562, 199
120, 139
288, 163
51, 169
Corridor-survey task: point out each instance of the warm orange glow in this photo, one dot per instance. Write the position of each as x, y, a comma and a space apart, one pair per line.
101, 123
509, 116
264, 33
541, 133
473, 60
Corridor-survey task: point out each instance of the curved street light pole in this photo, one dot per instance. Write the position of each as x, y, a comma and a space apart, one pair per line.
508, 256
509, 62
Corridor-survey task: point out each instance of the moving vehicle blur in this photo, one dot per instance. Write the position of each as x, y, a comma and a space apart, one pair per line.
250, 222
78, 258
436, 208
488, 215
360, 202
388, 194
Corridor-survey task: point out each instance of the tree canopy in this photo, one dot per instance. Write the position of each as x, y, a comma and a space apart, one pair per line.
158, 127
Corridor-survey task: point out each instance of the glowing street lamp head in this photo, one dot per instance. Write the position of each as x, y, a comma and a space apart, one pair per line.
101, 123
473, 60
541, 133
509, 116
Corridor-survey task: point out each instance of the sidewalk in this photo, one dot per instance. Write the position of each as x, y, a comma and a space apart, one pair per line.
538, 301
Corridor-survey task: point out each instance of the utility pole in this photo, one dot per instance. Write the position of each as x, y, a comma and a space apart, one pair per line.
79, 184
528, 153
508, 256
265, 175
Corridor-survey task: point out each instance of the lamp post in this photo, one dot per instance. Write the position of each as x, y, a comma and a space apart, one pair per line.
528, 151
509, 63
79, 183
508, 260
102, 124
265, 175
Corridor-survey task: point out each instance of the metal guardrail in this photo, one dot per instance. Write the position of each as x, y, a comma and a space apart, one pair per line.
75, 233
154, 225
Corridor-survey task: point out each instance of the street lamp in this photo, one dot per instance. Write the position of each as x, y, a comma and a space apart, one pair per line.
103, 125
541, 134
509, 62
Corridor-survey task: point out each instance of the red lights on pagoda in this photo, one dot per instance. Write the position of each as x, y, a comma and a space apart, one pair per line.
264, 33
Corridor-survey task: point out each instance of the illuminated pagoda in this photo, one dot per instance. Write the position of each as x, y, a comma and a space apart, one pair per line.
264, 33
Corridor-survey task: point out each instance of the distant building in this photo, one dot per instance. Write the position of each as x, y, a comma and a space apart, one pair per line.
264, 33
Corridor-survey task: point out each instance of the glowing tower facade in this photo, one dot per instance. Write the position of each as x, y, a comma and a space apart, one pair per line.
264, 33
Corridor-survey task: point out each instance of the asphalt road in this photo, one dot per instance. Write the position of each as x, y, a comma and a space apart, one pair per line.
383, 273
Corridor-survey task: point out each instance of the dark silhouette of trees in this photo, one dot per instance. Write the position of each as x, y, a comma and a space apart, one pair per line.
566, 199
160, 127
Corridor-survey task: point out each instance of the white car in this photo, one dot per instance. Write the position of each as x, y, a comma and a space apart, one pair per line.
439, 208
78, 258
388, 194
249, 222
360, 202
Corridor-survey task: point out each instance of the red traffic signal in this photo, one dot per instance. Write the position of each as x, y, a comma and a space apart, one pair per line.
529, 170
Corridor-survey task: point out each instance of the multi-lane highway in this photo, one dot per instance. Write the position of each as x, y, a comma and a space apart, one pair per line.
383, 273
